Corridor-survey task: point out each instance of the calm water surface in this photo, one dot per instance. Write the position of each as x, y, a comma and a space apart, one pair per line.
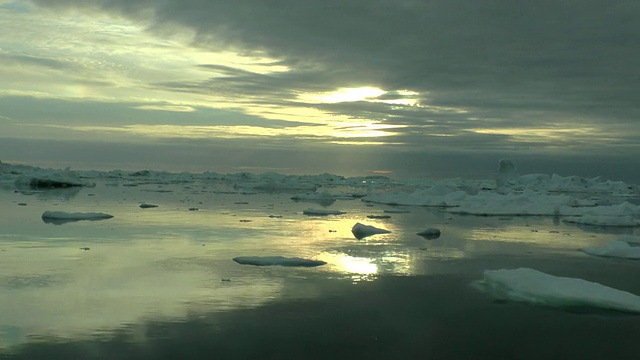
160, 283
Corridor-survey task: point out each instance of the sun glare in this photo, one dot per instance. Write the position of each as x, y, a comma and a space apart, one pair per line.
347, 95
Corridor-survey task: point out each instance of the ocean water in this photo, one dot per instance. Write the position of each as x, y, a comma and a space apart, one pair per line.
160, 283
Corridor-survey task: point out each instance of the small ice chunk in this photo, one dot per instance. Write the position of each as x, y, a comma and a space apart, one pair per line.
535, 287
322, 212
430, 233
61, 217
277, 260
147, 206
361, 231
615, 248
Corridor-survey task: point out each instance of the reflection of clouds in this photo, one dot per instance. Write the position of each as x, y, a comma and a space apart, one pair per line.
64, 291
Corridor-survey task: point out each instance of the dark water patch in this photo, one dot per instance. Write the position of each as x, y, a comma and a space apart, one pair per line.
432, 317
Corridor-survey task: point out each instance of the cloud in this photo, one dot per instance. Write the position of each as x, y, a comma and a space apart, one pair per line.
463, 75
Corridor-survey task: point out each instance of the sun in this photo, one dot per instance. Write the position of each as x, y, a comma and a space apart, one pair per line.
348, 95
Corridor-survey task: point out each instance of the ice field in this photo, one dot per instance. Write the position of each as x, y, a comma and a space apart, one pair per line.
118, 262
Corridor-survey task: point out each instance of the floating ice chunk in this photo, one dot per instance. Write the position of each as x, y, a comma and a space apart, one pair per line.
630, 239
604, 220
535, 287
148, 206
61, 217
322, 212
431, 233
621, 215
277, 260
615, 248
378, 216
361, 231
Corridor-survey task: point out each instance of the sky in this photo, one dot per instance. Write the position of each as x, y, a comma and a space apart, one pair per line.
406, 88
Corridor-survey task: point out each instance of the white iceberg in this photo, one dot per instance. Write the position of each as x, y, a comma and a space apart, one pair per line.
615, 248
61, 217
277, 260
361, 231
535, 287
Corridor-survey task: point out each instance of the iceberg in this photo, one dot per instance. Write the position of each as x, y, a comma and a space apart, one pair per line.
538, 288
615, 248
61, 217
361, 231
277, 260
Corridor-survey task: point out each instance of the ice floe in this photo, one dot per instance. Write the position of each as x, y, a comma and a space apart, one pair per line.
322, 198
615, 248
60, 217
277, 260
590, 201
322, 212
535, 287
430, 233
360, 231
148, 206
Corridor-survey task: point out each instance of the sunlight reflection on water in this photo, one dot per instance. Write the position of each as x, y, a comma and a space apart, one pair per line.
88, 277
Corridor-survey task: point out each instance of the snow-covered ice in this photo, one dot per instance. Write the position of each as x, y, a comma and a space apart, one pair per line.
535, 287
615, 248
277, 260
590, 201
360, 231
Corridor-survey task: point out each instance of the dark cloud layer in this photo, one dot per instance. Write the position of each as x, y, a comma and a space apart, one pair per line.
499, 56
494, 64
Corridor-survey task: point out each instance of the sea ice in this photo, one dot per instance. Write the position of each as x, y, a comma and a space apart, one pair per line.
361, 231
277, 260
60, 217
535, 287
615, 248
323, 198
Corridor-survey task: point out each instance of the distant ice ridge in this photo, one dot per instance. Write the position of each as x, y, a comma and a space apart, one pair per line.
29, 177
535, 287
577, 200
